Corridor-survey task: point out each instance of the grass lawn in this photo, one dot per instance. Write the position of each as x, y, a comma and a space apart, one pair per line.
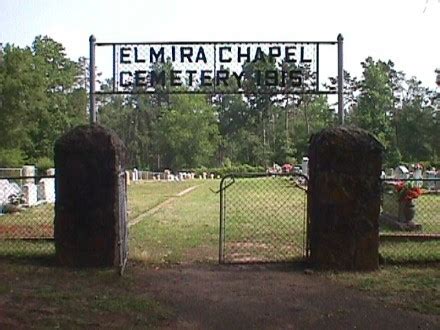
264, 220
43, 296
144, 196
428, 215
186, 229
411, 287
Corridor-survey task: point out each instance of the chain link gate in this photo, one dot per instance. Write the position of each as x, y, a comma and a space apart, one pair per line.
263, 218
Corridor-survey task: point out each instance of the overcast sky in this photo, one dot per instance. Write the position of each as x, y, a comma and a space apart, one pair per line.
407, 32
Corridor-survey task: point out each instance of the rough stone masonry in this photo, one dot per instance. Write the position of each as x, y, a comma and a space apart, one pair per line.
344, 199
88, 160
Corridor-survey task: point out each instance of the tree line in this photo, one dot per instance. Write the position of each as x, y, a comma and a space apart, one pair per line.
43, 94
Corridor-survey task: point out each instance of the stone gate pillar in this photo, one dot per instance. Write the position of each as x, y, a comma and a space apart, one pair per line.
88, 160
344, 199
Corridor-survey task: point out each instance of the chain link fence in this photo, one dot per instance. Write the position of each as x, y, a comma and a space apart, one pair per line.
27, 215
410, 220
262, 218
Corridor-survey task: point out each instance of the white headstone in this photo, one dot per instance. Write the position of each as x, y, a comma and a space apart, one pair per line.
401, 172
204, 175
430, 175
46, 190
305, 166
50, 171
7, 189
389, 172
135, 175
30, 193
29, 170
418, 175
127, 178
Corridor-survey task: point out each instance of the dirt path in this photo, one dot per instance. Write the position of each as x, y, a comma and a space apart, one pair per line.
270, 297
140, 217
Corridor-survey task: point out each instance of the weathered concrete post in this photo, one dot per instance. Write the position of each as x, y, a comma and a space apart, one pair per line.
344, 199
88, 160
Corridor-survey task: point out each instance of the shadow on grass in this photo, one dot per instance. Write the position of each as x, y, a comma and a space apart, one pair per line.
44, 260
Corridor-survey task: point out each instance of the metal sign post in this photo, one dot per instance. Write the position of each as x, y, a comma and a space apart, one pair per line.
340, 79
92, 76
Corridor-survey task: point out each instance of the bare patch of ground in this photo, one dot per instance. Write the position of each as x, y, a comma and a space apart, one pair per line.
192, 296
270, 296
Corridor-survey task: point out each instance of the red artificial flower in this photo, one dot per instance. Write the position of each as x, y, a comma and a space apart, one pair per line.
407, 191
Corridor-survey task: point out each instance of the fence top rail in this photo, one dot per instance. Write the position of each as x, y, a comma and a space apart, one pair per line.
264, 174
28, 177
256, 42
410, 179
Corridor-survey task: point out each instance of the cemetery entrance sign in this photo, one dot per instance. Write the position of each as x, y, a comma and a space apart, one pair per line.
249, 68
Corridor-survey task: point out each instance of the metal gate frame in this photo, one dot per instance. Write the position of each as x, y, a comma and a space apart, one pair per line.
229, 180
122, 232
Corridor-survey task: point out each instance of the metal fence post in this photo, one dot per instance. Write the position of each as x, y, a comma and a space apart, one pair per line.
340, 79
92, 76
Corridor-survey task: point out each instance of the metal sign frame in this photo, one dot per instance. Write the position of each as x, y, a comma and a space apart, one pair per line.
216, 48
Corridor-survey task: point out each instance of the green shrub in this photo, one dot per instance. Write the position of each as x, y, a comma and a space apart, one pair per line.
11, 158
43, 163
225, 170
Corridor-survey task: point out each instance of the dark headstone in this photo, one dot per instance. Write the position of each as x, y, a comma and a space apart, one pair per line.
344, 199
88, 160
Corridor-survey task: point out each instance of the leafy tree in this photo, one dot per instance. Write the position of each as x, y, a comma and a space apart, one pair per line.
375, 102
187, 133
39, 100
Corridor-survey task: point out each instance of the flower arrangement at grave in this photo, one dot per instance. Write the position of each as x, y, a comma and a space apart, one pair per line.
407, 191
398, 205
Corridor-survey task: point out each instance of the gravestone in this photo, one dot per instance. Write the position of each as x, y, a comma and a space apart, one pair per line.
344, 199
7, 189
418, 174
305, 166
389, 172
135, 175
28, 171
88, 161
401, 172
30, 193
431, 174
394, 214
46, 190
